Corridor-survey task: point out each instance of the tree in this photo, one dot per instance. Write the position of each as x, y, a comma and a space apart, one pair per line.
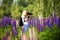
15, 11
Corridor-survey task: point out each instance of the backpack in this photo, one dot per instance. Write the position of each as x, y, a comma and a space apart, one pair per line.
20, 22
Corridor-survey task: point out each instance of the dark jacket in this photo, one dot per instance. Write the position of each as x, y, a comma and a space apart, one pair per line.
20, 22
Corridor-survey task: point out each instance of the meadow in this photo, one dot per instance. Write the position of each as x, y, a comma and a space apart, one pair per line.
44, 25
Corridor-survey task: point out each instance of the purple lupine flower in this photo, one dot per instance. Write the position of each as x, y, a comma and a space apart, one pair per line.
7, 34
4, 38
8, 21
44, 22
29, 22
52, 21
39, 25
58, 22
13, 23
55, 18
4, 21
48, 22
14, 31
33, 22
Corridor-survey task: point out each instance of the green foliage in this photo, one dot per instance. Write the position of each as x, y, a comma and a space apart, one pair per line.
37, 7
1, 13
15, 11
47, 34
50, 34
57, 8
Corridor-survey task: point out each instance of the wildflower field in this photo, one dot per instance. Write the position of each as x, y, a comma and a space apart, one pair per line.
39, 29
44, 25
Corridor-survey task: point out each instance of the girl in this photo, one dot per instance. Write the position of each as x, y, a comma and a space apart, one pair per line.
25, 26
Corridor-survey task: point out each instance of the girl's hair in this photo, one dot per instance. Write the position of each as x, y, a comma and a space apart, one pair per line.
24, 12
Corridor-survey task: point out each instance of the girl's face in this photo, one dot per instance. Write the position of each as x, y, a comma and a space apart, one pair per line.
26, 19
